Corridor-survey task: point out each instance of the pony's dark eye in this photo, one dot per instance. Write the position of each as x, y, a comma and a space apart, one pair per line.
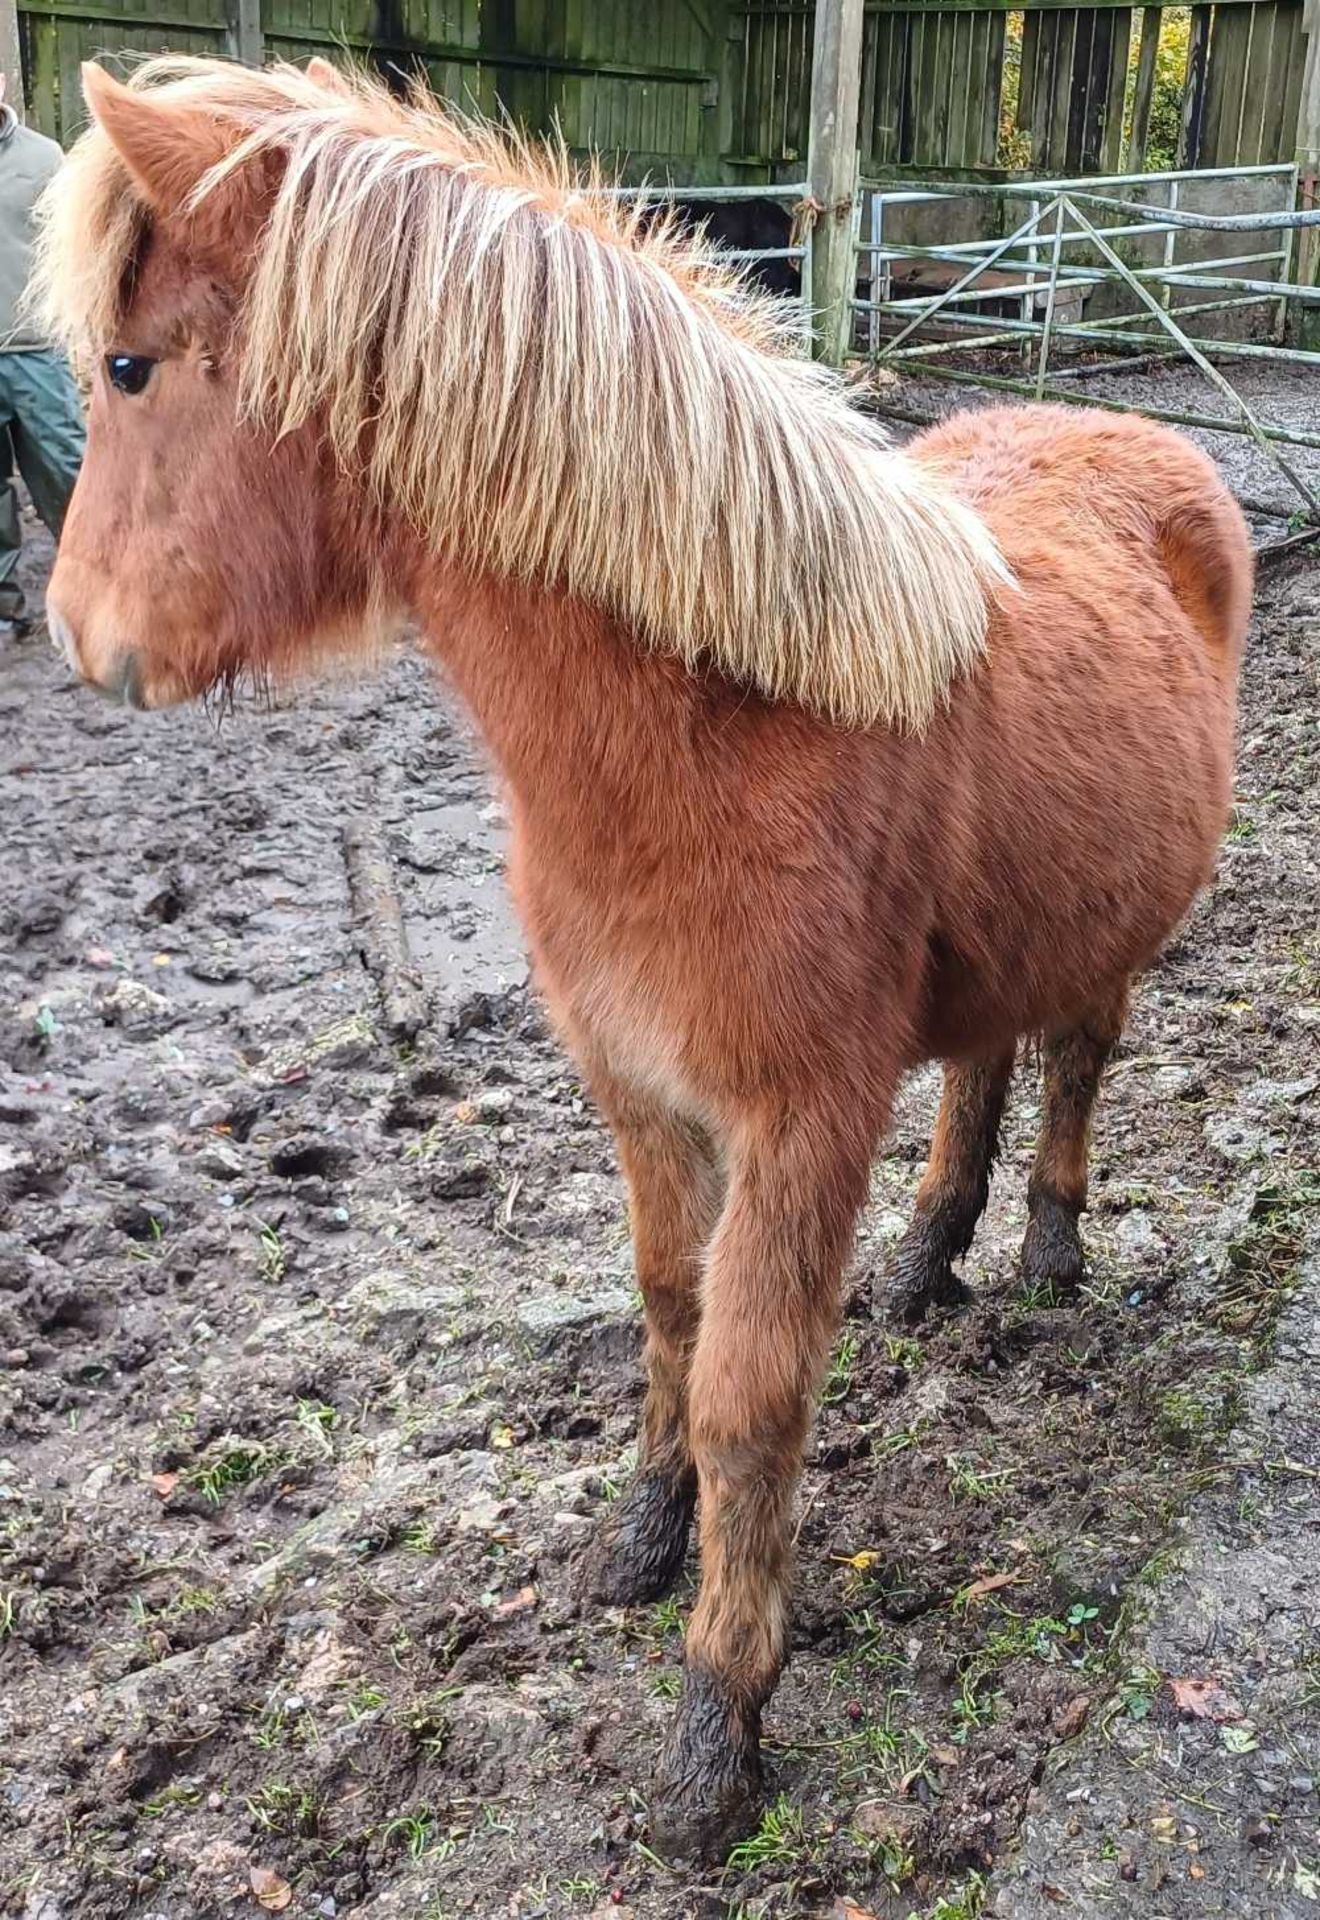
129, 372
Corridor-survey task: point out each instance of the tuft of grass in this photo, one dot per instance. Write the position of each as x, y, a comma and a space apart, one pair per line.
1014, 1637
968, 1482
1263, 1258
667, 1618
839, 1380
273, 1260
1137, 1691
318, 1422
903, 1351
416, 1834
420, 1537
966, 1904
281, 1808
232, 1463
779, 1841
169, 1798
873, 1652
1192, 1418
364, 1701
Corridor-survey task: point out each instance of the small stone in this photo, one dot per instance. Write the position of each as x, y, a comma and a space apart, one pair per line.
571, 1528
552, 1319
220, 1160
898, 1826
15, 1357
1136, 1234
491, 1104
327, 1906
483, 1516
458, 1179
1071, 1717
1239, 1139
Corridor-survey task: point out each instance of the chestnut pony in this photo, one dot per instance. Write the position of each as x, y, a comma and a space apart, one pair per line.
823, 759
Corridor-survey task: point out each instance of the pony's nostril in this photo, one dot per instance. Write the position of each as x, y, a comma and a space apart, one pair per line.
124, 681
61, 634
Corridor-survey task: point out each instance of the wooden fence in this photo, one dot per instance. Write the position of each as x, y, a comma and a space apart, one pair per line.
635, 80
718, 90
940, 77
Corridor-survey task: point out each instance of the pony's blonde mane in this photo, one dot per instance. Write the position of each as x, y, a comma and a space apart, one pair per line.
552, 387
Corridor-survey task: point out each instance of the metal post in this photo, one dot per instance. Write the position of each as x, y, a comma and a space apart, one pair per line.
878, 276
1029, 297
1170, 242
836, 73
1051, 296
246, 40
11, 58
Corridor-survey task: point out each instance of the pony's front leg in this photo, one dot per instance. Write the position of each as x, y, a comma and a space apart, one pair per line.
675, 1190
770, 1308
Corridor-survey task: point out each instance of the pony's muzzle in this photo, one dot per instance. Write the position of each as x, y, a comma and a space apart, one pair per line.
122, 678
124, 682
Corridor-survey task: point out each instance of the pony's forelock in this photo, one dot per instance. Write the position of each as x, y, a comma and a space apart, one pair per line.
552, 386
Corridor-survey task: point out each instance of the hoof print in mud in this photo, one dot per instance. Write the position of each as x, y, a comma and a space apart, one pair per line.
920, 1278
638, 1554
708, 1790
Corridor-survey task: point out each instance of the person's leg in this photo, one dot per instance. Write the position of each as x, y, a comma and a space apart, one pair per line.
13, 607
48, 431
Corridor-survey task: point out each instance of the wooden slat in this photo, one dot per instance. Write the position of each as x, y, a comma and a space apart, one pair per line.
1031, 24
996, 36
1152, 18
1262, 84
1198, 47
43, 107
1224, 75
1080, 136
1111, 123
1292, 95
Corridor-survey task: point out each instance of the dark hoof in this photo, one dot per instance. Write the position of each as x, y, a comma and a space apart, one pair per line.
707, 1793
921, 1276
1052, 1262
639, 1552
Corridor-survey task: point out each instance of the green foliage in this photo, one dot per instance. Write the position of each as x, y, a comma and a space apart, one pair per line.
1166, 98
1166, 94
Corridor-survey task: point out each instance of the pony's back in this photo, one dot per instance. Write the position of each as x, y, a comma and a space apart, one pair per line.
1045, 477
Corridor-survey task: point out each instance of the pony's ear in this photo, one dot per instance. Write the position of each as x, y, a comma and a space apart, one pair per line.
167, 145
326, 75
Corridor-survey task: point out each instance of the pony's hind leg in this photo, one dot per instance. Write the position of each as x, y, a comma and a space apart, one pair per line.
675, 1190
1073, 1062
770, 1308
953, 1191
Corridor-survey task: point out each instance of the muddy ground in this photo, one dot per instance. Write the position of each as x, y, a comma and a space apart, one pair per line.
318, 1364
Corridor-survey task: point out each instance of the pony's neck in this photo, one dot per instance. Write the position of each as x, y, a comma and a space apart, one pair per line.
577, 714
